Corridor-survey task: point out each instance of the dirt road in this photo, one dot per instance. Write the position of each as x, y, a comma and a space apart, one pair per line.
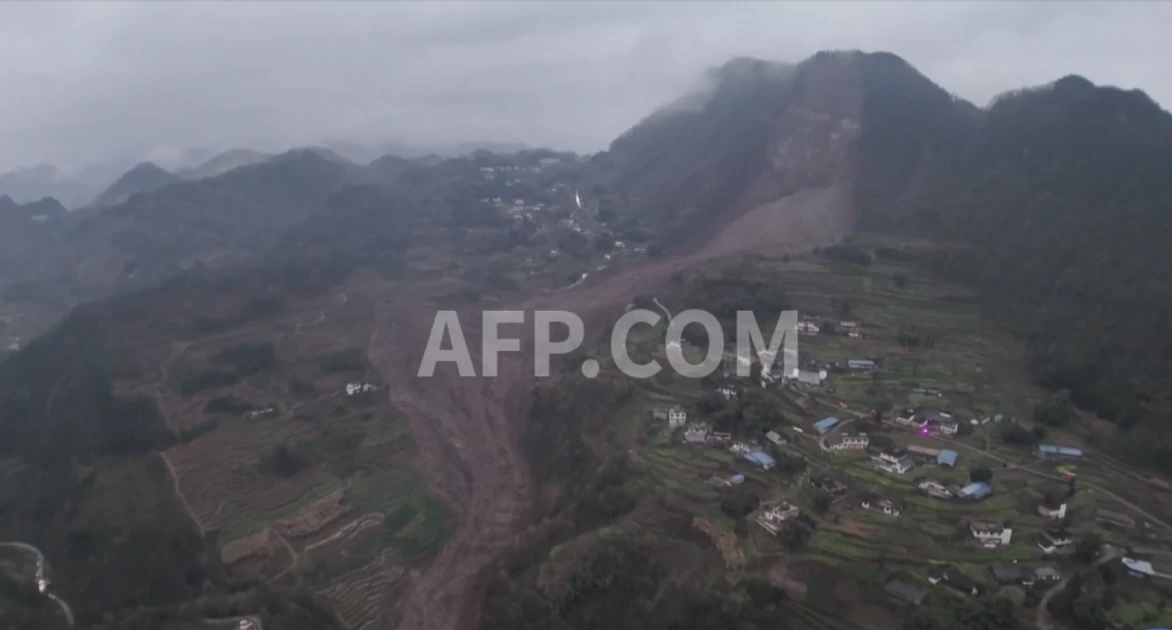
467, 429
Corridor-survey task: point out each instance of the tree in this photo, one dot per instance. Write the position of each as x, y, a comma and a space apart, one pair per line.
739, 505
821, 503
900, 280
844, 308
1087, 548
980, 473
606, 214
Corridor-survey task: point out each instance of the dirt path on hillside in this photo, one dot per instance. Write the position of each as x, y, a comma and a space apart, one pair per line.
468, 429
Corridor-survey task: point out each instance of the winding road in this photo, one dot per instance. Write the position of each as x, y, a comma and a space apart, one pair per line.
42, 584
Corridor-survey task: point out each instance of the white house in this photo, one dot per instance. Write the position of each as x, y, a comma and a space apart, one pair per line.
775, 437
848, 441
808, 327
1053, 539
1052, 513
728, 392
935, 489
949, 427
990, 534
898, 467
772, 518
676, 417
358, 388
887, 507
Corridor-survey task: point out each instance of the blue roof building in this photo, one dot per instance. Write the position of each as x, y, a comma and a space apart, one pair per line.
1051, 450
825, 424
946, 458
761, 459
976, 490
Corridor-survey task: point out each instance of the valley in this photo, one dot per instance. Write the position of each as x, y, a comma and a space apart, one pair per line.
222, 370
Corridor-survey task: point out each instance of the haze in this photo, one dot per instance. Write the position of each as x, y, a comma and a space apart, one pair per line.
85, 81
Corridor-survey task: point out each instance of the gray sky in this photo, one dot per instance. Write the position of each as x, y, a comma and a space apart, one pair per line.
83, 80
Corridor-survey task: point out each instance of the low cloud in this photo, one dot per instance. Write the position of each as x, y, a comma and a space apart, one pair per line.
85, 81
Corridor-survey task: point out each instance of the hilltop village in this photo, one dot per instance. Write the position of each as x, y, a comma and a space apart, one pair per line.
868, 453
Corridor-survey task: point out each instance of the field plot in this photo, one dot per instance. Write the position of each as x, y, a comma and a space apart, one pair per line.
956, 362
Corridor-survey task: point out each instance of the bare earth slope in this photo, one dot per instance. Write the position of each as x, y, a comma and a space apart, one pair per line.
467, 428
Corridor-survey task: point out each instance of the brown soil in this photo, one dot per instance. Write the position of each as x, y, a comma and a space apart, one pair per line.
467, 429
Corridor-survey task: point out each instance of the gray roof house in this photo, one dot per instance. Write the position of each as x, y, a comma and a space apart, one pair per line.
906, 592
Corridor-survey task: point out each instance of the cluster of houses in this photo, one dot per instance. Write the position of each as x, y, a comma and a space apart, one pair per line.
773, 517
353, 389
974, 491
1004, 575
811, 326
701, 434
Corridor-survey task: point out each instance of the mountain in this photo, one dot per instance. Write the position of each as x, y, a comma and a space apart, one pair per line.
45, 180
143, 178
223, 162
128, 425
25, 230
1060, 201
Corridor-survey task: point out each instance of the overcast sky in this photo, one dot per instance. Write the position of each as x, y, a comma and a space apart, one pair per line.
84, 80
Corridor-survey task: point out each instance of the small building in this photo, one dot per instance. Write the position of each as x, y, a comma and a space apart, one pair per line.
1012, 574
808, 327
1053, 451
720, 436
947, 426
776, 438
861, 365
760, 459
848, 441
897, 467
245, 624
1046, 574
1135, 567
659, 413
353, 389
882, 505
1053, 539
1052, 512
829, 485
905, 416
990, 534
946, 458
923, 454
954, 579
736, 480
811, 378
935, 489
1116, 519
696, 434
774, 517
905, 592
975, 491
824, 425
728, 392
677, 417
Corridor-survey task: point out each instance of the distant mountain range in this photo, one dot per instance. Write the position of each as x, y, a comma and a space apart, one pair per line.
102, 183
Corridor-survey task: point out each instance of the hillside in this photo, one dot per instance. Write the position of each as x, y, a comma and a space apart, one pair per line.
198, 398
143, 178
222, 163
1060, 199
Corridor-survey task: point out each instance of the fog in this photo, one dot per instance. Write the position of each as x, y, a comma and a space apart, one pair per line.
86, 82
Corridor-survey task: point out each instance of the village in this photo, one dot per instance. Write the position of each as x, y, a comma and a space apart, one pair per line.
970, 513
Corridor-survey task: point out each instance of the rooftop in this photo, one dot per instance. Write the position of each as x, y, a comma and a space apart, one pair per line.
905, 591
977, 487
946, 457
1053, 449
760, 458
986, 527
825, 424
